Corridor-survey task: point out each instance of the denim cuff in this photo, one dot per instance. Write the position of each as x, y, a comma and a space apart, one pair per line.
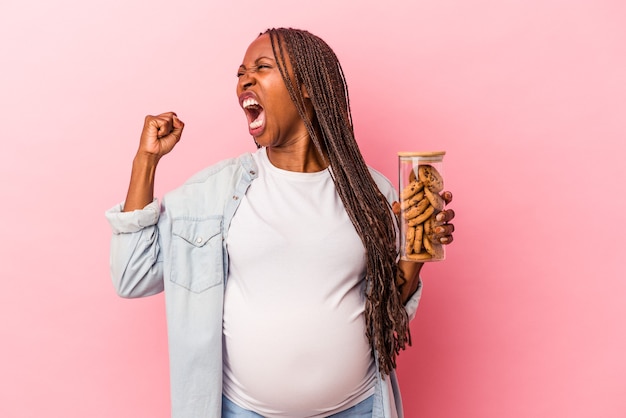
133, 221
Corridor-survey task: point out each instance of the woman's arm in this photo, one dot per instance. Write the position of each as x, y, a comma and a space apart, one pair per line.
408, 271
159, 136
135, 263
408, 278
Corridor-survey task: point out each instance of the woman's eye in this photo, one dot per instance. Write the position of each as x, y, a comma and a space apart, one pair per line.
253, 69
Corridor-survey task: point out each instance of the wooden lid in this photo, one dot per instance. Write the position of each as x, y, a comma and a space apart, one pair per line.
421, 154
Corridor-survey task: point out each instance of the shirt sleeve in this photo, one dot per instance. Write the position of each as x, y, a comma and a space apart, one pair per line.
133, 221
135, 258
413, 302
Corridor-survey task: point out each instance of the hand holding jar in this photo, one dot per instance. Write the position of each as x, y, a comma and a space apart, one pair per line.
424, 227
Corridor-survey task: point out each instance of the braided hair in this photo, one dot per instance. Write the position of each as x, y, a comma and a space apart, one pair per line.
315, 66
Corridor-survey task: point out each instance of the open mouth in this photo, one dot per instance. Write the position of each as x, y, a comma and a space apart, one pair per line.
254, 113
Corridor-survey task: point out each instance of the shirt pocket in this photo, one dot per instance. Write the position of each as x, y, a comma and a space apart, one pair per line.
196, 253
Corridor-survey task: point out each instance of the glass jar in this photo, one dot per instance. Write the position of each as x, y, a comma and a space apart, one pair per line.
420, 187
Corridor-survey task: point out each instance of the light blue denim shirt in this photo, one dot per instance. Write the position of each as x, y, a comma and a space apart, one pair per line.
179, 247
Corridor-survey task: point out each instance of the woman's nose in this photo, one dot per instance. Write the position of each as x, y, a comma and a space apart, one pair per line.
246, 80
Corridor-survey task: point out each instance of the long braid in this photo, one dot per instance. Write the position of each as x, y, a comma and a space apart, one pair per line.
315, 66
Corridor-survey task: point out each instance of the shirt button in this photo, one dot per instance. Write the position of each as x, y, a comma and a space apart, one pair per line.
199, 240
235, 197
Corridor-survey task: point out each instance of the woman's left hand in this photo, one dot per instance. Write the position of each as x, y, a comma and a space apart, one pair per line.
408, 271
443, 228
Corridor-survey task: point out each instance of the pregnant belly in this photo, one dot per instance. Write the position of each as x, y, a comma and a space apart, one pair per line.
296, 360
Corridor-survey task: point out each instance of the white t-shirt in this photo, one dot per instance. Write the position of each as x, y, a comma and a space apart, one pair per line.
294, 330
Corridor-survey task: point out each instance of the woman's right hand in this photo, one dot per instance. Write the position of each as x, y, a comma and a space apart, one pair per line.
160, 134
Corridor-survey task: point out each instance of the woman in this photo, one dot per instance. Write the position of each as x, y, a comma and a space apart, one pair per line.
283, 290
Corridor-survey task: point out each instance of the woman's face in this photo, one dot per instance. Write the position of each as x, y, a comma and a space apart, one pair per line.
273, 119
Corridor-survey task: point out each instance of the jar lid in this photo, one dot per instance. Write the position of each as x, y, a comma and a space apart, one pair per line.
421, 154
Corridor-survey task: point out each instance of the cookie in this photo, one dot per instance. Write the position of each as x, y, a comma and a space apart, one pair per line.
428, 226
412, 201
417, 238
430, 177
419, 257
410, 190
435, 249
435, 199
422, 216
410, 239
416, 210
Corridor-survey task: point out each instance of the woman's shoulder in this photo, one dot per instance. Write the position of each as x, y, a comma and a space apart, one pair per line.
223, 168
384, 185
222, 176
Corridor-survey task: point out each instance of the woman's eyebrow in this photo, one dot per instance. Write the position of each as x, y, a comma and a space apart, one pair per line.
257, 61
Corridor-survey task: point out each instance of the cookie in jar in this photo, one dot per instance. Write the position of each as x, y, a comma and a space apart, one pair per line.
421, 183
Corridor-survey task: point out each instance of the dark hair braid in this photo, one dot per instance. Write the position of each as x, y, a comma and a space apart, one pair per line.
315, 66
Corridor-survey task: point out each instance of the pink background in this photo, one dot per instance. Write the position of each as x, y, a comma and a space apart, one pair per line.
526, 317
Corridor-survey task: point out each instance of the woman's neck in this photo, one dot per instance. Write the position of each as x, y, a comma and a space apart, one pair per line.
301, 157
